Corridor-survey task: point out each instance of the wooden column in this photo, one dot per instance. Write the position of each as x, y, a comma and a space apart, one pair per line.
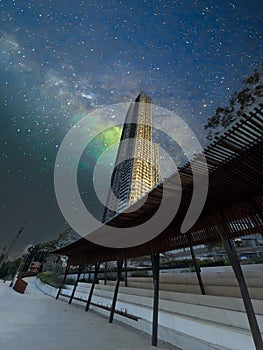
196, 265
258, 211
156, 273
75, 285
89, 272
113, 305
106, 273
97, 266
233, 258
63, 281
125, 273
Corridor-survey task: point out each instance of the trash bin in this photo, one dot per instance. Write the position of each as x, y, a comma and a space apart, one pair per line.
20, 285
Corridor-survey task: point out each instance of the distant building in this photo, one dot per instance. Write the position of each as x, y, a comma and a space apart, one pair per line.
137, 166
250, 241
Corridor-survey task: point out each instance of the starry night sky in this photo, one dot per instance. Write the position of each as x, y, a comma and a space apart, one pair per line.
62, 59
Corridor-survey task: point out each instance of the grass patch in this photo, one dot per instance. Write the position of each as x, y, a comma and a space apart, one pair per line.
50, 278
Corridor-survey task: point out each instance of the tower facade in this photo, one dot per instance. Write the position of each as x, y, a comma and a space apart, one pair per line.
137, 166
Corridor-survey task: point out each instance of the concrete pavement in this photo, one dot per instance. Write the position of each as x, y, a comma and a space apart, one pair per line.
36, 321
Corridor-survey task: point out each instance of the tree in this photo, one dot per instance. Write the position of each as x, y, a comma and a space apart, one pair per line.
9, 268
239, 101
41, 253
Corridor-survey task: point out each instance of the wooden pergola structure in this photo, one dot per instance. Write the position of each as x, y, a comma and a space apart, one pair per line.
234, 208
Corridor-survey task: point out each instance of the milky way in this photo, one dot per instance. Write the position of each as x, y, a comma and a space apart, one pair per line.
60, 60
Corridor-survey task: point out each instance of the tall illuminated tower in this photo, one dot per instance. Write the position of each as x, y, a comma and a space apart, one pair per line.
137, 166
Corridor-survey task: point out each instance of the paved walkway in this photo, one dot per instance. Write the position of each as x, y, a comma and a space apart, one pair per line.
36, 321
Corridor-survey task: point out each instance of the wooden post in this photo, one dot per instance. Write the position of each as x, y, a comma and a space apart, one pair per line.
196, 265
90, 272
113, 305
75, 285
63, 281
156, 273
258, 211
97, 266
106, 273
197, 270
125, 273
233, 258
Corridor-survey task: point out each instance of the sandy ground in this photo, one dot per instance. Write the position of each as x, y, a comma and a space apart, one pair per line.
36, 321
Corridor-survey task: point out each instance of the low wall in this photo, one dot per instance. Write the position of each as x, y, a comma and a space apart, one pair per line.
45, 288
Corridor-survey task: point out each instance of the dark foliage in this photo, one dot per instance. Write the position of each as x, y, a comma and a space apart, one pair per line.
239, 102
